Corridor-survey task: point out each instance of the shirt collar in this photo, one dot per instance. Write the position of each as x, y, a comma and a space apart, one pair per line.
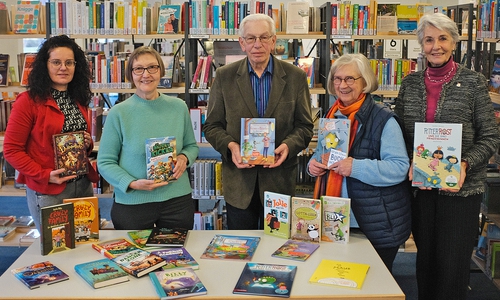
269, 69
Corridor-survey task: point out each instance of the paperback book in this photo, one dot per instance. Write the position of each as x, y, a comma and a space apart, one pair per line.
6, 232
139, 262
231, 247
336, 219
86, 211
306, 219
258, 140
27, 17
167, 237
36, 275
140, 237
296, 250
169, 19
266, 280
115, 247
6, 220
57, 228
333, 139
340, 273
4, 69
102, 272
29, 237
177, 258
307, 64
297, 18
177, 283
70, 153
277, 214
437, 155
161, 157
29, 58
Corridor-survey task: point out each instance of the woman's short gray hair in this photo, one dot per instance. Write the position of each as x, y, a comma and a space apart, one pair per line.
362, 64
441, 22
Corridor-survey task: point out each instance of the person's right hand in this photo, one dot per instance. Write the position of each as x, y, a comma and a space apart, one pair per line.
54, 176
236, 156
316, 168
146, 184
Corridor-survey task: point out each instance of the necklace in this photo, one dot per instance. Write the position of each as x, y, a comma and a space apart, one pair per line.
445, 77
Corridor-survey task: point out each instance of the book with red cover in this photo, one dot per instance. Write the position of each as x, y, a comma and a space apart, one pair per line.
113, 248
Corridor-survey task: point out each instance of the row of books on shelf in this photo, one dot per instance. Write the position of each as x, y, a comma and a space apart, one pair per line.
488, 249
488, 20
206, 178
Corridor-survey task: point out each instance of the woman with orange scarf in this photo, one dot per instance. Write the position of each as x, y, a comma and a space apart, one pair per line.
374, 173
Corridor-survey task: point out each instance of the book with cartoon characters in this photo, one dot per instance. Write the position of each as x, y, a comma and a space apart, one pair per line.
437, 155
305, 219
70, 153
333, 139
266, 280
139, 262
277, 214
57, 228
161, 157
231, 247
258, 140
296, 250
177, 283
494, 83
336, 219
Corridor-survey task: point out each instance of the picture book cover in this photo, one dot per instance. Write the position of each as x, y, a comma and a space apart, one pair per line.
70, 153
4, 69
177, 283
266, 280
6, 232
336, 219
277, 214
340, 273
169, 19
297, 18
161, 157
115, 247
27, 17
102, 272
177, 258
437, 155
307, 64
306, 219
231, 247
281, 49
494, 83
86, 211
139, 262
167, 237
42, 273
296, 250
140, 237
333, 139
258, 140
57, 228
29, 58
6, 220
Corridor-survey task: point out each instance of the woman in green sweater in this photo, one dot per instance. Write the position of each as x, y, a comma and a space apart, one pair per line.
141, 203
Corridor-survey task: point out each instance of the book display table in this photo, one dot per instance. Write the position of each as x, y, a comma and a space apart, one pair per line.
219, 276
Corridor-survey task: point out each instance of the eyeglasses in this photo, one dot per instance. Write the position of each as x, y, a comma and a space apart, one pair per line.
263, 39
140, 70
58, 63
349, 80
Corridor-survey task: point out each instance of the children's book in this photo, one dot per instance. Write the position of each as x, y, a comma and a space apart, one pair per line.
6, 220
161, 158
29, 58
139, 262
6, 232
297, 18
258, 140
306, 219
169, 19
57, 228
277, 214
70, 153
437, 155
140, 237
340, 273
307, 64
266, 280
333, 139
281, 49
296, 250
42, 273
4, 69
27, 17
177, 258
102, 272
494, 83
86, 218
115, 247
231, 247
167, 237
177, 283
336, 219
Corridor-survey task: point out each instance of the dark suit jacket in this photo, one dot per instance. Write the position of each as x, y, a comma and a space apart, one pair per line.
231, 98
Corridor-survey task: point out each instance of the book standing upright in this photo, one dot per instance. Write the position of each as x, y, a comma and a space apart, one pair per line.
306, 219
336, 219
4, 69
297, 18
86, 218
27, 18
277, 214
57, 228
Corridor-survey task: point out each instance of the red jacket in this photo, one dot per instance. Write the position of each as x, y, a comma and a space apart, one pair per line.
28, 145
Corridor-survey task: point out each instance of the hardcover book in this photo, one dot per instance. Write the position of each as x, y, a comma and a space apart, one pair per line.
28, 238
115, 247
231, 247
437, 155
258, 140
296, 250
177, 283
4, 69
23, 221
86, 211
57, 228
36, 275
336, 219
101, 273
340, 273
161, 157
139, 262
169, 19
281, 49
297, 18
140, 237
177, 258
6, 220
167, 237
306, 219
70, 153
6, 232
266, 280
307, 64
277, 214
27, 17
333, 139
29, 58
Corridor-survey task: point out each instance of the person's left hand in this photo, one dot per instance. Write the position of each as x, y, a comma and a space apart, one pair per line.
280, 154
343, 167
88, 140
180, 166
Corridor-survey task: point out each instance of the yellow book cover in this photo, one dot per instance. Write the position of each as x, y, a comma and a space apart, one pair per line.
340, 273
407, 12
86, 218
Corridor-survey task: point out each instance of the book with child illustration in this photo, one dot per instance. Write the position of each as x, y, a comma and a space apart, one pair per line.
258, 140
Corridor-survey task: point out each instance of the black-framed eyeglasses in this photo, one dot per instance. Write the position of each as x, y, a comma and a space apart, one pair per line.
151, 70
58, 63
349, 80
263, 39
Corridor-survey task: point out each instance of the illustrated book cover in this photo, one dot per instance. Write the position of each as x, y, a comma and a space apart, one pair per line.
4, 69
139, 262
231, 247
27, 17
57, 228
281, 49
115, 247
336, 219
297, 18
167, 237
70, 153
169, 19
86, 211
333, 139
308, 65
6, 232
161, 157
42, 273
340, 273
102, 272
494, 83
437, 155
29, 58
306, 219
277, 214
6, 220
258, 140
296, 250
177, 283
140, 237
177, 258
266, 280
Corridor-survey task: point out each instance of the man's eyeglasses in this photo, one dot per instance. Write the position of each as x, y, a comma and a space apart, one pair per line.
58, 63
263, 39
349, 80
151, 70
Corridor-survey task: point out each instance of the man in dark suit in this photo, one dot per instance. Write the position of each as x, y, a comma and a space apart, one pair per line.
257, 86
175, 23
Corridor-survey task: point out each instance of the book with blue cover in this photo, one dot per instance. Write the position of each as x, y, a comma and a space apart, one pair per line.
161, 157
258, 140
266, 280
42, 273
231, 247
177, 283
102, 272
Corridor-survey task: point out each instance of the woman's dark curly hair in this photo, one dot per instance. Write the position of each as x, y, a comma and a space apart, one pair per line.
39, 82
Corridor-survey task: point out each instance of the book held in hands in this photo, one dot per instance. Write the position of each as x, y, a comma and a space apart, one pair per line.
161, 157
177, 283
102, 272
333, 139
70, 153
42, 273
258, 140
167, 237
57, 228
